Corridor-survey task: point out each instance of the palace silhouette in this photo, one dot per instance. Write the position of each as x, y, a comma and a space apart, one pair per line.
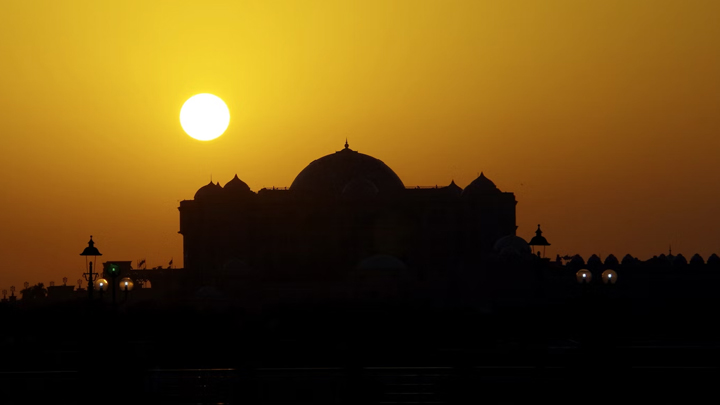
345, 212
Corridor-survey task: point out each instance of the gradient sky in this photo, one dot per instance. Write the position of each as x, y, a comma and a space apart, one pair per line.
603, 117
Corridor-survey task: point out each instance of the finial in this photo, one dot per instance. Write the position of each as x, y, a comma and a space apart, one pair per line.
538, 232
346, 144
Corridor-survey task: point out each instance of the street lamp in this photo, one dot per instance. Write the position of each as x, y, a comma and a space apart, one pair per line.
609, 276
584, 276
4, 296
126, 284
102, 285
12, 293
64, 280
90, 250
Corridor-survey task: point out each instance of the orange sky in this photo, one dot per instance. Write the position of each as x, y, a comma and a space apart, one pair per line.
602, 116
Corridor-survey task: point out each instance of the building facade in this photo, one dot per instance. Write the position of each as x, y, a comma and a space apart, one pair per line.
344, 211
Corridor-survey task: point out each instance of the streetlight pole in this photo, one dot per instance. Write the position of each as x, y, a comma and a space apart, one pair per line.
90, 250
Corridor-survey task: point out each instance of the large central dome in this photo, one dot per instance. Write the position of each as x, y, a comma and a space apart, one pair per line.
331, 174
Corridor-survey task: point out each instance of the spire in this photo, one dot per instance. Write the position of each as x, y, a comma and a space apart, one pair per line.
538, 232
346, 144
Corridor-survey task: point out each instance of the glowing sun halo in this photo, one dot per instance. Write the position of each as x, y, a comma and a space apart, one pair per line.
204, 116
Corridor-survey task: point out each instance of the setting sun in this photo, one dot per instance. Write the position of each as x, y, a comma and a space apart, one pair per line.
204, 117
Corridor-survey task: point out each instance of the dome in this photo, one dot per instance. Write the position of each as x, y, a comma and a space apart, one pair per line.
236, 188
512, 243
713, 260
697, 260
628, 259
208, 191
480, 186
594, 260
577, 261
359, 187
454, 189
680, 260
332, 173
611, 261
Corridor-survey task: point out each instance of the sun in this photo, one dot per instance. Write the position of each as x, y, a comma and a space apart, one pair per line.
204, 116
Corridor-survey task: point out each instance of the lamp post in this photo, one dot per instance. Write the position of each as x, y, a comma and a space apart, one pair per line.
64, 280
4, 295
102, 285
90, 250
113, 270
584, 276
609, 276
12, 293
126, 284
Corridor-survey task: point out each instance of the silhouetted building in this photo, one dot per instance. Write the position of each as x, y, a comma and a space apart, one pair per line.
340, 211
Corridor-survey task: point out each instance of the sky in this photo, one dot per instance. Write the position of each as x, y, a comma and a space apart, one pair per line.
602, 117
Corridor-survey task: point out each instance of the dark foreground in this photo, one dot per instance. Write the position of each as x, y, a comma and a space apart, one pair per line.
358, 356
647, 373
602, 348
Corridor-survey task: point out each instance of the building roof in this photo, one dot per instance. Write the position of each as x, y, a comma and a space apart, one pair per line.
330, 174
208, 191
480, 186
237, 188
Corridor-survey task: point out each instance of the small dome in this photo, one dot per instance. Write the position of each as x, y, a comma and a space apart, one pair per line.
628, 259
360, 187
680, 260
511, 254
611, 261
381, 262
236, 185
713, 260
514, 243
577, 261
454, 189
594, 260
237, 188
209, 191
479, 187
697, 260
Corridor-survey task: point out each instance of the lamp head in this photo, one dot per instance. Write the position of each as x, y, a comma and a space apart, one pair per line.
91, 250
